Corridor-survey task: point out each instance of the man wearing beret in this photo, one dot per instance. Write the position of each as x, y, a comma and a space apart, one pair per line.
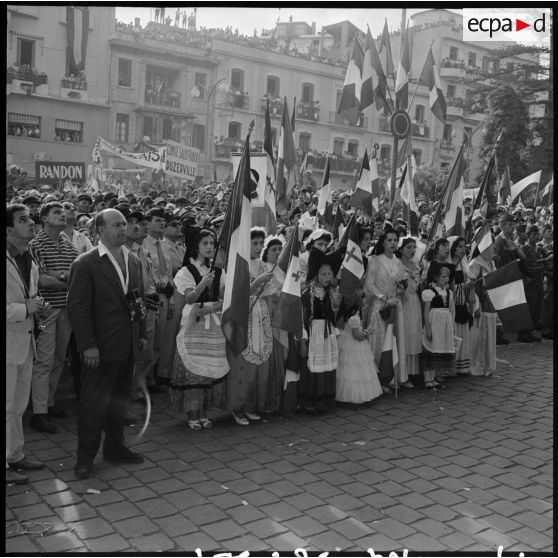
162, 273
33, 203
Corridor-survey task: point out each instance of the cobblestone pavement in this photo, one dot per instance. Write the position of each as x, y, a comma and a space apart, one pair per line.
467, 469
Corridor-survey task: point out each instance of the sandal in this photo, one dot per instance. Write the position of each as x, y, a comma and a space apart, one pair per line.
240, 419
194, 424
205, 422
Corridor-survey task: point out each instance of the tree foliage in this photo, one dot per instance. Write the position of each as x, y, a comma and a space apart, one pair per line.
507, 112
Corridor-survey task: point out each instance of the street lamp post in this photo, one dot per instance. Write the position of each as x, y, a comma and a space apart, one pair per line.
210, 117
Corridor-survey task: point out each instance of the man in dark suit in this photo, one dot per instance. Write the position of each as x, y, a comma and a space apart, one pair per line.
107, 313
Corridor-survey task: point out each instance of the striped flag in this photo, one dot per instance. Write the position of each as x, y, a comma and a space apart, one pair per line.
385, 44
349, 102
325, 205
236, 300
524, 183
482, 241
304, 164
266, 216
286, 160
77, 33
452, 199
507, 294
293, 116
378, 75
430, 76
547, 195
338, 224
389, 358
504, 190
367, 88
288, 314
402, 83
352, 268
408, 196
362, 196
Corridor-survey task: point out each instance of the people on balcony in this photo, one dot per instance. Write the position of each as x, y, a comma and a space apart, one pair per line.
451, 63
70, 81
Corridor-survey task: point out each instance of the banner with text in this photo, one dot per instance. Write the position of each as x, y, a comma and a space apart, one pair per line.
54, 171
181, 160
153, 159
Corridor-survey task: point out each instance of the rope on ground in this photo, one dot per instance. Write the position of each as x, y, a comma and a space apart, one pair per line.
24, 527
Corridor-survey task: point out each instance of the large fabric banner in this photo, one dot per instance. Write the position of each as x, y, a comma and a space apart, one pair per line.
77, 31
181, 160
153, 159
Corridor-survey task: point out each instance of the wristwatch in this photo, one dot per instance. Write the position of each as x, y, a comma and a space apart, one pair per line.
62, 276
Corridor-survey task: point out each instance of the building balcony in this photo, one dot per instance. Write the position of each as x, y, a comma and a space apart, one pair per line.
337, 163
420, 129
455, 107
163, 98
237, 99
335, 118
308, 110
453, 69
225, 146
27, 80
447, 147
73, 89
275, 105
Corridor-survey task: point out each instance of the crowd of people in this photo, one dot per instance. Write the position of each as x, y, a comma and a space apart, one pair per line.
124, 293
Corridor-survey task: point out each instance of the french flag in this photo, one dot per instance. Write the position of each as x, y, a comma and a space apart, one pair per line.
507, 294
352, 269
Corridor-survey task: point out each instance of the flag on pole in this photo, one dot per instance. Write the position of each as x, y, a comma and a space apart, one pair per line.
524, 183
288, 314
362, 196
286, 160
325, 202
378, 75
504, 190
304, 164
352, 268
483, 241
402, 83
385, 45
349, 102
408, 196
293, 116
367, 88
430, 76
236, 300
389, 357
507, 294
338, 224
453, 198
266, 216
547, 195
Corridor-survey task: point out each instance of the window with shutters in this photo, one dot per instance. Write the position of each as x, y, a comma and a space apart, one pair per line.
198, 136
304, 141
167, 129
149, 127
352, 148
24, 125
200, 81
25, 52
454, 53
124, 72
122, 127
237, 79
451, 91
307, 93
68, 131
448, 133
234, 130
472, 59
338, 144
272, 88
418, 156
385, 153
419, 113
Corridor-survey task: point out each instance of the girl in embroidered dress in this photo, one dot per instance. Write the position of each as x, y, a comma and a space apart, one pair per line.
248, 378
438, 334
464, 304
319, 351
357, 375
383, 287
483, 332
200, 361
412, 314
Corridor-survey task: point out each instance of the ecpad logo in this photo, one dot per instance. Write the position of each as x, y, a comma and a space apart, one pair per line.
522, 26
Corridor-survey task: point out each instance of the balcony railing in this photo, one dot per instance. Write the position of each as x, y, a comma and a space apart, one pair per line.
447, 145
336, 118
275, 105
308, 110
420, 129
70, 82
164, 98
225, 146
238, 99
27, 73
338, 164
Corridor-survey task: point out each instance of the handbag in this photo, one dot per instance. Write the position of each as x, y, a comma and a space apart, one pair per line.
385, 312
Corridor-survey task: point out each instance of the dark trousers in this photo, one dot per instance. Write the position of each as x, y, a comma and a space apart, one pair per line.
74, 363
547, 313
103, 401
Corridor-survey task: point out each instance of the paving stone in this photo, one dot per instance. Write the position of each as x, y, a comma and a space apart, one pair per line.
470, 509
304, 501
50, 486
138, 494
202, 515
438, 512
224, 530
493, 539
92, 528
185, 499
432, 528
244, 542
264, 528
445, 497
367, 514
65, 498
329, 540
263, 476
124, 483
531, 538
286, 542
22, 499
327, 514
467, 525
415, 501
109, 544
105, 497
260, 497
392, 488
351, 528
157, 542
21, 544
393, 528
119, 510
281, 511
535, 521
283, 488
378, 543
151, 475
60, 542
403, 513
536, 505
458, 541
226, 500
418, 542
135, 527
245, 514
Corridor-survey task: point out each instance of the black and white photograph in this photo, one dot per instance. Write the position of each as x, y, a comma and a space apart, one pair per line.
279, 279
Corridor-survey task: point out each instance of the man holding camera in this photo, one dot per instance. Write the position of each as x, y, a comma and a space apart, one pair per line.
22, 303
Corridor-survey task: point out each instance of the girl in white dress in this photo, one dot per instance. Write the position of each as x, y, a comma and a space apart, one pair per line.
357, 376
